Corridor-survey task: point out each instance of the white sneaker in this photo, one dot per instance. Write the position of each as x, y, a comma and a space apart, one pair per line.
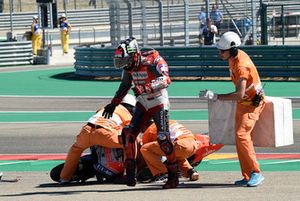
161, 178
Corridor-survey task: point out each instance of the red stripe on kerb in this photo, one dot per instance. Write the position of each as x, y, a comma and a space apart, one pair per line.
32, 156
63, 156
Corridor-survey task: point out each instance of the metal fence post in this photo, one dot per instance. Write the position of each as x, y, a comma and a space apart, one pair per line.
49, 5
253, 13
112, 19
94, 33
144, 24
282, 24
50, 46
263, 23
161, 29
65, 3
79, 39
186, 22
11, 10
118, 20
129, 7
207, 10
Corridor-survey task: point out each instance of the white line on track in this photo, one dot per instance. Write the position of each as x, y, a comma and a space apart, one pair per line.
13, 163
280, 162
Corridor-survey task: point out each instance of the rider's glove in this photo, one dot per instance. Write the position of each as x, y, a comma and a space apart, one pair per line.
208, 95
110, 108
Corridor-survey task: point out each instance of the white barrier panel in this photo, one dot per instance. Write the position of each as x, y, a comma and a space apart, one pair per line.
221, 122
273, 129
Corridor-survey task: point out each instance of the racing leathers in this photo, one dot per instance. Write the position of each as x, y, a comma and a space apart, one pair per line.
150, 79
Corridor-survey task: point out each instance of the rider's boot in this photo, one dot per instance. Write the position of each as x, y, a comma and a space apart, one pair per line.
130, 166
173, 180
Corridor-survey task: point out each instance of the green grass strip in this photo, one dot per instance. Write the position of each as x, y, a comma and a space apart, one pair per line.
61, 82
209, 165
265, 165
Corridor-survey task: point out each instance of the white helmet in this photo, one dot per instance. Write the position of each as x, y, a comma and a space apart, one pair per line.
129, 99
63, 15
35, 17
228, 40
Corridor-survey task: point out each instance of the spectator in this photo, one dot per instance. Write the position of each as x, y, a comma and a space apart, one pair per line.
247, 24
216, 16
202, 18
36, 35
93, 3
65, 29
207, 35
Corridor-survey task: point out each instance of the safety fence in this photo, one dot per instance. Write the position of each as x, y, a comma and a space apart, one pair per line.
271, 61
180, 21
15, 53
101, 16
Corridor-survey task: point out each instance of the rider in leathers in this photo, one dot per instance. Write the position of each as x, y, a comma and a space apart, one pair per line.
148, 71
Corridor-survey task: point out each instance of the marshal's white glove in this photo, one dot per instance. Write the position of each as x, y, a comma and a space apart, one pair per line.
208, 95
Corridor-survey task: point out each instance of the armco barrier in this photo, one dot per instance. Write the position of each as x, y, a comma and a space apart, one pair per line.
15, 53
271, 61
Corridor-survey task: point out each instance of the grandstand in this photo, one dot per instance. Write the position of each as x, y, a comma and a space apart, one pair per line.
92, 24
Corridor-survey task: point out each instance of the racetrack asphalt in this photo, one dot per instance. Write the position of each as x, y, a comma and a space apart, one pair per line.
44, 90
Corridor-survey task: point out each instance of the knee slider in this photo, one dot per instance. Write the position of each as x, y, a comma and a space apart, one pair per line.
164, 142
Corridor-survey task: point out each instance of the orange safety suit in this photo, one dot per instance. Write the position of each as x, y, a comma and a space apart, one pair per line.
98, 131
184, 142
246, 115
